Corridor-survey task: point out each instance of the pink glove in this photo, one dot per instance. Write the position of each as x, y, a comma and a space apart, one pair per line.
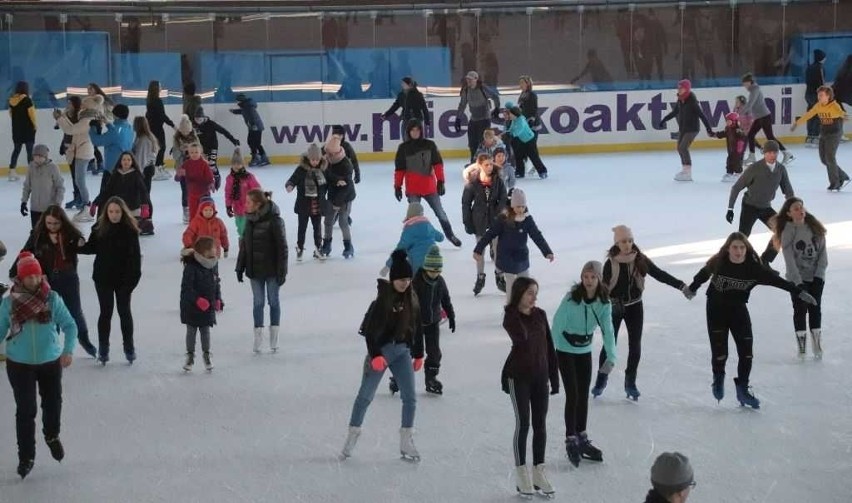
219, 306
145, 211
379, 364
417, 364
202, 303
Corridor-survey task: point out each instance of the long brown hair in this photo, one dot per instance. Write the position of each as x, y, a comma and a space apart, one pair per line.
143, 130
782, 218
153, 92
640, 263
67, 229
105, 224
716, 260
519, 288
260, 197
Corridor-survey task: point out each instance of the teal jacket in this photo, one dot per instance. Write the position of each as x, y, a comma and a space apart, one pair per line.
520, 129
39, 342
579, 320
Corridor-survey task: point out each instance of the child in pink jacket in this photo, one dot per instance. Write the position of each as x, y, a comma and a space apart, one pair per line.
237, 185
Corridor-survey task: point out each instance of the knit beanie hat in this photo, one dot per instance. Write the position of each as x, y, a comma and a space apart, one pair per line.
733, 117
237, 158
199, 112
509, 105
184, 125
41, 150
414, 210
314, 153
472, 75
333, 150
241, 97
686, 85
28, 265
409, 81
592, 266
518, 197
433, 261
516, 111
204, 202
621, 232
338, 130
400, 267
819, 55
770, 146
121, 111
671, 473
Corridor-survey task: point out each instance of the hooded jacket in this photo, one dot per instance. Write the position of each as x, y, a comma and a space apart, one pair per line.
413, 106
575, 322
688, 113
213, 227
130, 186
520, 129
23, 113
39, 343
198, 282
246, 182
481, 204
336, 172
756, 103
433, 295
419, 165
303, 174
248, 109
263, 246
418, 235
43, 186
117, 138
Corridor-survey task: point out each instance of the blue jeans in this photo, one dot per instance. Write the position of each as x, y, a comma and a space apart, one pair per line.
80, 173
263, 289
398, 357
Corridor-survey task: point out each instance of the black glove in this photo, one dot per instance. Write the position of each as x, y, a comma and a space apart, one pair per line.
230, 211
729, 216
662, 124
451, 322
357, 178
240, 276
24, 210
398, 193
807, 298
217, 179
441, 189
457, 125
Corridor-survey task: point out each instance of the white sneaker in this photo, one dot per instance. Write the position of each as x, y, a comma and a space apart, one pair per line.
258, 339
748, 161
273, 339
523, 482
683, 176
540, 482
351, 440
83, 215
788, 158
406, 445
730, 177
161, 174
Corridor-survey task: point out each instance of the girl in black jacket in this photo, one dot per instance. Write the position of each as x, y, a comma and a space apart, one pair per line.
393, 332
688, 113
128, 184
309, 181
624, 276
413, 105
434, 297
155, 112
200, 298
531, 365
55, 242
117, 270
483, 199
341, 193
23, 114
733, 272
263, 258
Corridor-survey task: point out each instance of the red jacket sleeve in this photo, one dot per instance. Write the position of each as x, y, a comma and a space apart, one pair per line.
189, 234
223, 232
398, 177
439, 171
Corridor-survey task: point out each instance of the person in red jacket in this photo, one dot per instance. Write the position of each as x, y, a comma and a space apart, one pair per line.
206, 223
198, 176
419, 165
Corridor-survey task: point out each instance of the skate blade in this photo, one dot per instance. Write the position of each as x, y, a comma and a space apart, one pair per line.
545, 495
410, 459
524, 496
343, 457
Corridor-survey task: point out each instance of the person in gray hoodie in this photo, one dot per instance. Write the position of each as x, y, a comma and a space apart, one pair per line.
801, 238
483, 103
756, 107
43, 185
761, 181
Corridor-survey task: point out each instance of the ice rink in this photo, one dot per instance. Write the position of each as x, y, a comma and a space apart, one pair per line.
269, 428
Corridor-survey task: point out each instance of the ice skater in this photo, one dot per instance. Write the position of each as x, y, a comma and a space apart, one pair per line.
756, 107
434, 298
308, 179
206, 223
483, 103
412, 103
238, 183
417, 238
831, 116
208, 132
43, 185
200, 298
524, 141
733, 272
688, 112
483, 200
248, 109
735, 142
800, 236
341, 193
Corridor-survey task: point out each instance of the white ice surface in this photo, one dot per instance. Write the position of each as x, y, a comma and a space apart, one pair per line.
269, 427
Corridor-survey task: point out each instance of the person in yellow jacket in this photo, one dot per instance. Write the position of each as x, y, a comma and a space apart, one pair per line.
831, 116
23, 114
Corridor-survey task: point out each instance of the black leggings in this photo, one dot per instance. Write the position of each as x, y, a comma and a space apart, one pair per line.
316, 223
764, 123
24, 379
148, 175
160, 135
524, 151
576, 373
749, 215
254, 140
119, 297
530, 396
16, 151
99, 158
724, 317
634, 318
475, 130
432, 335
802, 310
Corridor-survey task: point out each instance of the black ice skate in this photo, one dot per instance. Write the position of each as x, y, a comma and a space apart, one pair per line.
572, 449
190, 361
434, 386
299, 253
744, 395
56, 449
719, 386
479, 285
208, 365
589, 451
500, 280
393, 386
348, 249
25, 466
630, 387
600, 384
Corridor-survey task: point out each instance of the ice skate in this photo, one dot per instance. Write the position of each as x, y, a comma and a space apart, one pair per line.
572, 449
160, 174
600, 384
319, 255
13, 176
273, 339
454, 240
816, 342
348, 249
589, 451
103, 357
73, 204
326, 247
83, 215
299, 253
406, 445
479, 285
684, 175
89, 349
190, 361
788, 158
351, 440
208, 364
434, 386
57, 451
749, 160
130, 356
254, 162
543, 176
258, 339
500, 280
532, 171
630, 388
802, 343
264, 161
540, 482
730, 177
811, 142
186, 215
523, 482
843, 183
25, 466
719, 386
744, 395
393, 386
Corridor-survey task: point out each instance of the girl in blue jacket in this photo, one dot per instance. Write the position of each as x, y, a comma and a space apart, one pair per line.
524, 141
585, 308
36, 355
418, 236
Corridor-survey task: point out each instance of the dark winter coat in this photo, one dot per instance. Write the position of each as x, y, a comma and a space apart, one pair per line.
732, 283
340, 171
433, 296
513, 255
263, 246
482, 204
297, 180
735, 140
207, 134
419, 164
413, 106
688, 113
118, 258
655, 497
191, 104
248, 109
351, 155
48, 254
533, 355
814, 78
198, 281
22, 111
393, 317
155, 112
630, 283
528, 103
129, 186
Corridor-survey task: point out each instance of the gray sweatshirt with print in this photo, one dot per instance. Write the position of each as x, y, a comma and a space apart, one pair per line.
804, 253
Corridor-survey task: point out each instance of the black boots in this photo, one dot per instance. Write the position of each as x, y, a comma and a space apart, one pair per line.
479, 285
56, 449
348, 250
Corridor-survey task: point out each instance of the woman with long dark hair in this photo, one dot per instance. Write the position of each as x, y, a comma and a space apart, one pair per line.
733, 272
66, 149
23, 113
155, 112
117, 270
